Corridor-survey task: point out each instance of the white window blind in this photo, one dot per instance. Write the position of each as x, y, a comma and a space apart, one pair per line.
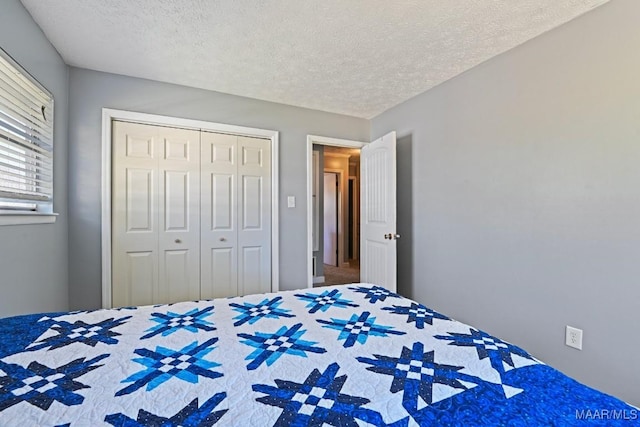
26, 140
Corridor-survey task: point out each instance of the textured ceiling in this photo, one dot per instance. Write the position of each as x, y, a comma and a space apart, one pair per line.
355, 57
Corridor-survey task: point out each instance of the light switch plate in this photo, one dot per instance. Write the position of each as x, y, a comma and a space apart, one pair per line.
291, 201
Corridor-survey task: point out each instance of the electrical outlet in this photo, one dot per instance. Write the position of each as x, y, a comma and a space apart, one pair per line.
573, 337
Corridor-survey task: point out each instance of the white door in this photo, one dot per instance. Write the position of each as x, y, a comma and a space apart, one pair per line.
179, 212
331, 218
236, 215
155, 208
378, 236
219, 236
254, 215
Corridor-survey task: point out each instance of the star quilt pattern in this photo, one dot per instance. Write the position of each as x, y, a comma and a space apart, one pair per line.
348, 355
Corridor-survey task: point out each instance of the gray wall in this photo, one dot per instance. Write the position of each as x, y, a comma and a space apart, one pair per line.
90, 91
34, 258
528, 214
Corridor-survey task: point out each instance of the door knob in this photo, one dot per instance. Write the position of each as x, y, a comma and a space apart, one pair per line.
222, 239
178, 241
396, 236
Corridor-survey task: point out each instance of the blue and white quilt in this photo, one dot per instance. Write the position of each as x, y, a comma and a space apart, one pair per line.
352, 355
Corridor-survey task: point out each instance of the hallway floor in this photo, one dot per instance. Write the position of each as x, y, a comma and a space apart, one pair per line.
340, 275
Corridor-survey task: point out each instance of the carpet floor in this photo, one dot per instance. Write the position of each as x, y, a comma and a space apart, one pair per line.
339, 275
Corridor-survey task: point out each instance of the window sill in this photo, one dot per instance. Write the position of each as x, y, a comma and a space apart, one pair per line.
23, 218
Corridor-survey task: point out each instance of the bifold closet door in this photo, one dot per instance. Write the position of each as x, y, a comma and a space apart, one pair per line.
155, 214
236, 215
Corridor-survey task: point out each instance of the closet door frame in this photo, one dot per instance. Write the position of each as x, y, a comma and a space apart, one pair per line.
109, 115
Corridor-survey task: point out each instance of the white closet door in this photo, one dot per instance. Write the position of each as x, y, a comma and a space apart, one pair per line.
179, 211
219, 235
254, 215
134, 214
155, 230
236, 215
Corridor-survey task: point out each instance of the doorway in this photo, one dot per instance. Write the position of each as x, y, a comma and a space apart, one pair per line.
335, 213
376, 243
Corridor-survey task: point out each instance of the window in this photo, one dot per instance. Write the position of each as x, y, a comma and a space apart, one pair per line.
26, 144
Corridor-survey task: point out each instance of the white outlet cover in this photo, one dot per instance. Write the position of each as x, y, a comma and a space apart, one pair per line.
573, 337
291, 201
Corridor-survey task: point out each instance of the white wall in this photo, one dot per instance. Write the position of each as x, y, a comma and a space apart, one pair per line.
528, 213
34, 258
90, 91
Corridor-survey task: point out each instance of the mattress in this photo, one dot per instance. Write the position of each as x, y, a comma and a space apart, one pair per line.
350, 355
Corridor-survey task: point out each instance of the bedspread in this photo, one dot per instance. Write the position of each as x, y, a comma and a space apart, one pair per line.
343, 356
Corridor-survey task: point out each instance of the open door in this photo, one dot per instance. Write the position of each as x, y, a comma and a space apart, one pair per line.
378, 263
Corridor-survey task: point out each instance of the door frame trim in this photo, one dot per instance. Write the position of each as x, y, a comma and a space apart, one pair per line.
109, 115
319, 140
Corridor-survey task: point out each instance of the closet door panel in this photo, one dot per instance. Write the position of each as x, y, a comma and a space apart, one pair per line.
134, 214
222, 198
176, 201
252, 195
219, 241
222, 270
251, 280
139, 207
179, 199
254, 216
140, 278
176, 272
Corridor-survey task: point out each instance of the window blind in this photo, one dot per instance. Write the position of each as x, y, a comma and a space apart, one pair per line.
26, 140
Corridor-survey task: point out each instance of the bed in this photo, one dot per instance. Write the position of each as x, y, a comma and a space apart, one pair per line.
346, 355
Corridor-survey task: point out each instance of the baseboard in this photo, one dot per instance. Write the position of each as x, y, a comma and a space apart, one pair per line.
318, 279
